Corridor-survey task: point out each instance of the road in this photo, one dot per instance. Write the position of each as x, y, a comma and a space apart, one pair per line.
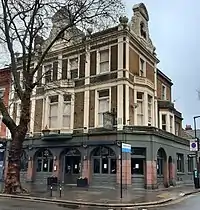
193, 202
190, 203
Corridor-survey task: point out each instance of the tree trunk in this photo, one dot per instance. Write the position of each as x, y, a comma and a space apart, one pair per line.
12, 179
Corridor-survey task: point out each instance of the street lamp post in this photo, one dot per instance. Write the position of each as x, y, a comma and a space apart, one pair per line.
197, 139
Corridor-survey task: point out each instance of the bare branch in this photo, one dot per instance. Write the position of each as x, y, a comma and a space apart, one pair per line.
7, 120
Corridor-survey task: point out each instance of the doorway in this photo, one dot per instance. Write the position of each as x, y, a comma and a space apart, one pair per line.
72, 166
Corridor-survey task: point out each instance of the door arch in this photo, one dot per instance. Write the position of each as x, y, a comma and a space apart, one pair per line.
104, 166
161, 167
71, 165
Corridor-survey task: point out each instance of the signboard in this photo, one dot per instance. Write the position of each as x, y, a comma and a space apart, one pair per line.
126, 148
193, 145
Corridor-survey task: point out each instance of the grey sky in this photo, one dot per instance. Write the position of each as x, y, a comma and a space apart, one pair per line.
174, 30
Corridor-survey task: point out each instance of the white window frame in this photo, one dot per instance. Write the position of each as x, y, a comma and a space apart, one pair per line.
163, 124
49, 110
150, 108
67, 102
48, 64
164, 95
141, 115
177, 128
142, 72
171, 124
98, 59
69, 68
97, 104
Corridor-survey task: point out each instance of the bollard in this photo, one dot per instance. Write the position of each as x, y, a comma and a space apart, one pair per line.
51, 189
60, 191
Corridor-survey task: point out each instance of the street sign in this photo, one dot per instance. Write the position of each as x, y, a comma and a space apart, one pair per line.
126, 148
193, 145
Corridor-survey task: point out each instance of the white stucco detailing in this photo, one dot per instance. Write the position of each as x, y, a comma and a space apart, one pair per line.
120, 106
59, 66
127, 105
120, 56
86, 109
127, 57
60, 111
87, 65
32, 120
135, 109
145, 109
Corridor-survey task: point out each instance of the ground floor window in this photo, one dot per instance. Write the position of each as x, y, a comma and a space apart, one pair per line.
190, 164
24, 161
180, 162
44, 161
104, 161
137, 166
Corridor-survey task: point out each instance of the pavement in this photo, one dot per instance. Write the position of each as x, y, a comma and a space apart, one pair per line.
103, 197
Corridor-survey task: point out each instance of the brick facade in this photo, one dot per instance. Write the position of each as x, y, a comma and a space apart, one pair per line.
5, 82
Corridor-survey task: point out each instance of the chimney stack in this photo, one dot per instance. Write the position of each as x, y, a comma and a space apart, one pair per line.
188, 127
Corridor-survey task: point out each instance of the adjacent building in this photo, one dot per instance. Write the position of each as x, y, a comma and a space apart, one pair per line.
98, 92
5, 82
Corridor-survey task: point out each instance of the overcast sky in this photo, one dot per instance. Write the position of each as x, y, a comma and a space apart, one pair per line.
174, 30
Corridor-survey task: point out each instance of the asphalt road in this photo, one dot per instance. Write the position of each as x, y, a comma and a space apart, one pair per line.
190, 203
14, 204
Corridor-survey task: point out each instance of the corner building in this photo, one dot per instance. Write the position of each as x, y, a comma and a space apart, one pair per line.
114, 72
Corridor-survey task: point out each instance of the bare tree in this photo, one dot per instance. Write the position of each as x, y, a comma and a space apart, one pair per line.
23, 22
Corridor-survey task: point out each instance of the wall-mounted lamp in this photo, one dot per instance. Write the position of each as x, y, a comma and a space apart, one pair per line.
84, 157
55, 157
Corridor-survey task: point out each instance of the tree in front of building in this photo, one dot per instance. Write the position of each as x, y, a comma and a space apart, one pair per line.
24, 25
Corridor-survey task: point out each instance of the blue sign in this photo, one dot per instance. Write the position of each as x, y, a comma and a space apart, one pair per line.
126, 148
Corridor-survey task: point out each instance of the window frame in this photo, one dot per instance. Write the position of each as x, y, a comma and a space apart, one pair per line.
164, 93
103, 98
66, 102
150, 108
69, 70
50, 70
50, 104
190, 162
99, 61
171, 118
142, 67
180, 163
164, 124
142, 103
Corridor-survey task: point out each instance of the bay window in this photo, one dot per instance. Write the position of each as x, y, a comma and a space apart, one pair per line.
104, 61
53, 112
66, 111
103, 105
140, 108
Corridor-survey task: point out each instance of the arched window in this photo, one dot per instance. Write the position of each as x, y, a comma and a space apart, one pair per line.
161, 158
44, 160
104, 161
24, 161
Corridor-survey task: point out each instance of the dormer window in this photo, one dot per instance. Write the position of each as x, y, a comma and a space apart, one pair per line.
142, 30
